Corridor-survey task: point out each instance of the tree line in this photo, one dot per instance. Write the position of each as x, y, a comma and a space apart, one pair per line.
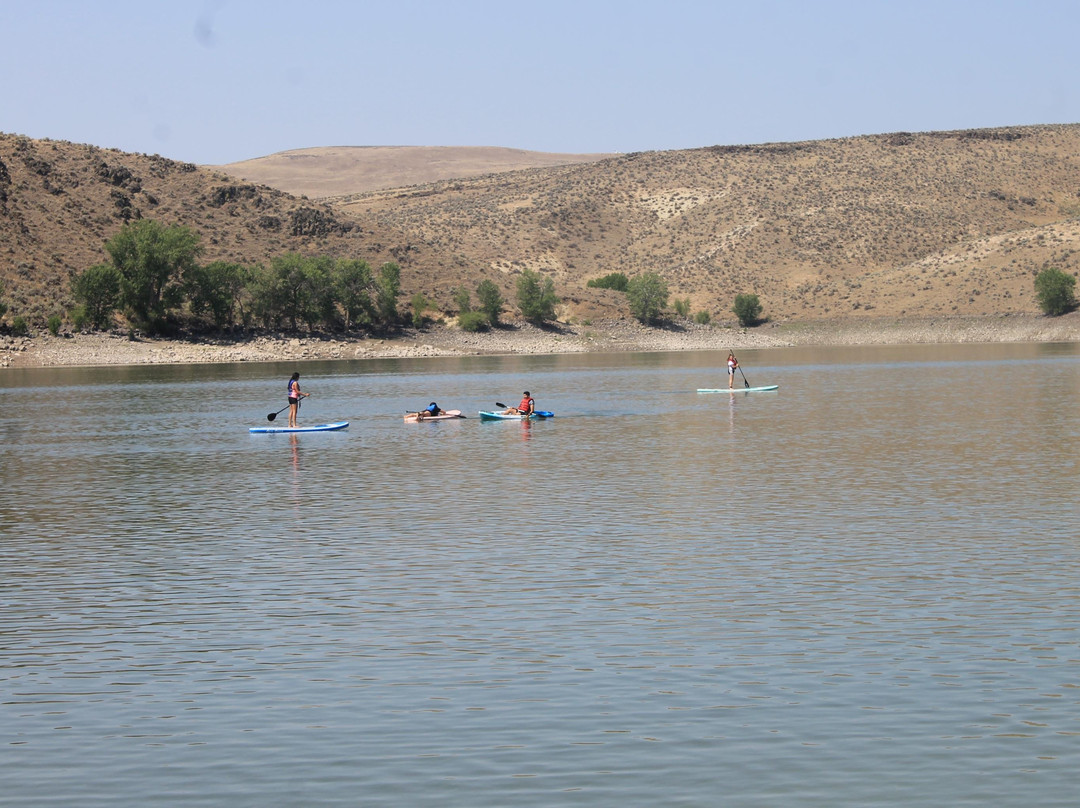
155, 279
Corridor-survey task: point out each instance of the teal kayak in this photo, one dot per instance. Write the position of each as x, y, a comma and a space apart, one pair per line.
317, 428
501, 416
764, 389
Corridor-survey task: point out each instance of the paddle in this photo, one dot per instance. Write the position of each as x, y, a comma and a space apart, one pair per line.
274, 415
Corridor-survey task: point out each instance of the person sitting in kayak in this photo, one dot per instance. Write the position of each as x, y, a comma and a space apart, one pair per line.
431, 409
732, 363
526, 407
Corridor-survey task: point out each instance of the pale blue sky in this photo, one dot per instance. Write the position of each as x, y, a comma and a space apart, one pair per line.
216, 81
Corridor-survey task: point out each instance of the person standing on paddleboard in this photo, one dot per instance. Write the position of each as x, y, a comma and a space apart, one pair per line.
732, 363
294, 398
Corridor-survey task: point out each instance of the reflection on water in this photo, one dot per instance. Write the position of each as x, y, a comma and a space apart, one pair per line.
858, 590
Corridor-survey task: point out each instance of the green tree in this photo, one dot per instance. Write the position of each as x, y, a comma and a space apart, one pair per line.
296, 289
387, 286
463, 300
1054, 291
535, 297
216, 290
352, 284
748, 309
490, 300
419, 304
647, 295
97, 288
152, 259
3, 305
613, 280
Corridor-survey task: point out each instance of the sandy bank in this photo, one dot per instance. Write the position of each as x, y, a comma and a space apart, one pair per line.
609, 336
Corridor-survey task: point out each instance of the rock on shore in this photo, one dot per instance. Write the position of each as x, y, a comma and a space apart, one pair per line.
522, 338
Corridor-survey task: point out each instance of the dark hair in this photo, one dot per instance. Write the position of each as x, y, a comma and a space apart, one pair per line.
526, 393
296, 376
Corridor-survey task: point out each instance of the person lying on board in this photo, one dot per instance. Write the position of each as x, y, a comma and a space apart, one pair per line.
431, 409
526, 407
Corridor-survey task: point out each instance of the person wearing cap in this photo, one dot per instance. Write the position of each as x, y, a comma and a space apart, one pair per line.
526, 407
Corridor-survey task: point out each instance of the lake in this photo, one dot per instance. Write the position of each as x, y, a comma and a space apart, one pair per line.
862, 589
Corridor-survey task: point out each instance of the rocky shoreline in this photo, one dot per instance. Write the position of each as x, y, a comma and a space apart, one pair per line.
522, 338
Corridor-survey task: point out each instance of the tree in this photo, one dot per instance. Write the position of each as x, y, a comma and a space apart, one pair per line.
352, 285
216, 290
536, 298
748, 309
490, 300
152, 259
648, 295
420, 304
97, 288
387, 286
3, 305
463, 300
1054, 291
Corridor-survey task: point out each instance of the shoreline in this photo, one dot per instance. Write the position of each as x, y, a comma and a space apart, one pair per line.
609, 336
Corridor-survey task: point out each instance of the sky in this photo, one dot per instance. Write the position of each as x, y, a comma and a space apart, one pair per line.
219, 81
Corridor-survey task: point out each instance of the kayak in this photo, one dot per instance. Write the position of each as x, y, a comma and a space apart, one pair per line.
501, 416
317, 428
448, 415
764, 389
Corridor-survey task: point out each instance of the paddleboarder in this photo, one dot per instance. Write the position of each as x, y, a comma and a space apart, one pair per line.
431, 409
732, 363
294, 398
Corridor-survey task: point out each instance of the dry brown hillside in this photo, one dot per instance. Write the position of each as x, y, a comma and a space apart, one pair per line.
917, 224
60, 202
337, 170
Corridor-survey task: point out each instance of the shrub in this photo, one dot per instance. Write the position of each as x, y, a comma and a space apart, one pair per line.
53, 324
702, 318
614, 280
1054, 291
79, 318
473, 321
748, 309
648, 295
19, 327
682, 307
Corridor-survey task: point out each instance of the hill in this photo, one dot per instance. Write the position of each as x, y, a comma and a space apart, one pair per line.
904, 224
60, 202
924, 224
336, 170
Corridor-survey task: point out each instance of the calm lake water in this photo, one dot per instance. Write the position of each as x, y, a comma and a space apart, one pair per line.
860, 590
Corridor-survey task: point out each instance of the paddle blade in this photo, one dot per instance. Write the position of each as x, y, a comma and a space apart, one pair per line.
500, 404
271, 416
745, 383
